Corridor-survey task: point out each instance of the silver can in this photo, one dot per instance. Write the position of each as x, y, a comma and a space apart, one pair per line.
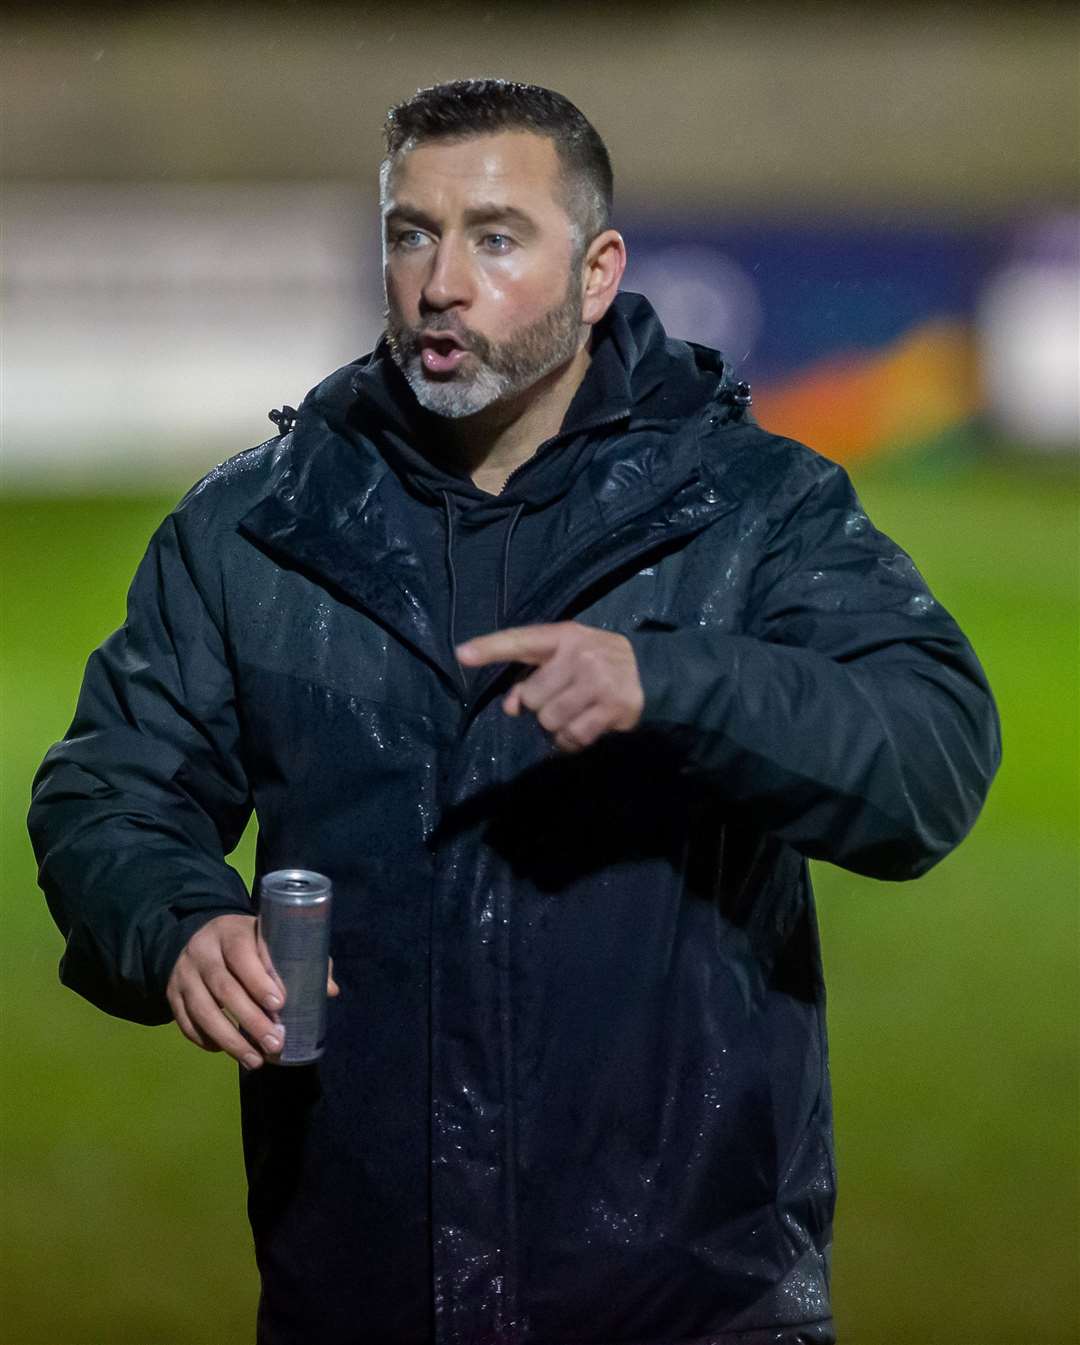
294, 928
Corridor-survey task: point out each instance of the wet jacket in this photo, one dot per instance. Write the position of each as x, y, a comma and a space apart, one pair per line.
576, 1085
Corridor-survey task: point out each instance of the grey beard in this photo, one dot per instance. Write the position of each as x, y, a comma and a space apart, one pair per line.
506, 368
457, 397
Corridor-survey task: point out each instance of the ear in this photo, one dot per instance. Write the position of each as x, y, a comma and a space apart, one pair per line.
603, 266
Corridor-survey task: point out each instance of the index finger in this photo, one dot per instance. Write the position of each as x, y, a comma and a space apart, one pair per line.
517, 644
243, 956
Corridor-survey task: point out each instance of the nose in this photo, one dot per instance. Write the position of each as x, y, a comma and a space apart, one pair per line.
449, 282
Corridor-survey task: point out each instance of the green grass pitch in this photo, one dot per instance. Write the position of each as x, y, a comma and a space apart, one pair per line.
953, 1001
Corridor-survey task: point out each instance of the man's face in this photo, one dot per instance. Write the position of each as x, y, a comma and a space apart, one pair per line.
482, 294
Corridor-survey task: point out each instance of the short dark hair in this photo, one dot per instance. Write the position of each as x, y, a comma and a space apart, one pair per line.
469, 107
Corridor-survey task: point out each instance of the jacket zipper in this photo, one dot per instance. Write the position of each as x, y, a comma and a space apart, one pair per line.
567, 434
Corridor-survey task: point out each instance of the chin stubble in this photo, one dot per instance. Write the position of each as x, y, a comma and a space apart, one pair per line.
503, 369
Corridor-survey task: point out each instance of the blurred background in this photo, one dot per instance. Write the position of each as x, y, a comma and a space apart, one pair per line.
874, 213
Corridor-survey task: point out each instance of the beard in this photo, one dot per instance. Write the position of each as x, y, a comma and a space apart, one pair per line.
498, 370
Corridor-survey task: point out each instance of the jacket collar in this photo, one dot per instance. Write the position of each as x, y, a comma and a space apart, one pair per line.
327, 510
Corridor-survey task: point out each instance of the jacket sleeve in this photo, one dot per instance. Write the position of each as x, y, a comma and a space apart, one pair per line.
852, 719
134, 811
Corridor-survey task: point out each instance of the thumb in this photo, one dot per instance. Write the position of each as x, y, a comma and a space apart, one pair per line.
332, 987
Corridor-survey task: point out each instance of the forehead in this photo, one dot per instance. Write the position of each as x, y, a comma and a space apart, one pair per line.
515, 168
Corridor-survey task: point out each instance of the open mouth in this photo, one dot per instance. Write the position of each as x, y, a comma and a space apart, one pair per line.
440, 353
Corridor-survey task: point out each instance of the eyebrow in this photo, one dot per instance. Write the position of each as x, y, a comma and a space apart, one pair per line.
485, 213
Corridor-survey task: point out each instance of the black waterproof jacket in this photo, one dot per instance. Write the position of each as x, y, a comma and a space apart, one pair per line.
576, 1084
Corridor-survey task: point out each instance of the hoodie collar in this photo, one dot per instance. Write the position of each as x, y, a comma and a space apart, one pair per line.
409, 438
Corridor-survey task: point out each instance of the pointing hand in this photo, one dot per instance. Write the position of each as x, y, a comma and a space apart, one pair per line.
585, 681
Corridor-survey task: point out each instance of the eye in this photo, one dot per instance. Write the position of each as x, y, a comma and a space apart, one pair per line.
497, 242
409, 239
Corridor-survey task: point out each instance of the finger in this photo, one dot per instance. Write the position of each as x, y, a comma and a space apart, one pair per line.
232, 997
208, 1017
271, 970
545, 683
561, 710
332, 987
517, 644
188, 1028
251, 966
583, 731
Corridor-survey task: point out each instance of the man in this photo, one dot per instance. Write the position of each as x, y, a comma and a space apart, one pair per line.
560, 667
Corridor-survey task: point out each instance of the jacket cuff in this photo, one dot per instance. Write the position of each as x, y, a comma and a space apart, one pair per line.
677, 674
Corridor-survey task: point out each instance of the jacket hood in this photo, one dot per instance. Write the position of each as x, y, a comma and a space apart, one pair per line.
636, 367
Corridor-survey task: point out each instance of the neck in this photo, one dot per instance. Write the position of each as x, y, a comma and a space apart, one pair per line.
497, 440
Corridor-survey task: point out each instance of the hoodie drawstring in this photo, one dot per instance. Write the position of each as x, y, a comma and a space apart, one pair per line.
502, 598
450, 511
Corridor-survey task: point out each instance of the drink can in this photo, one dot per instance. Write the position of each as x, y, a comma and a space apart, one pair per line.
294, 927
